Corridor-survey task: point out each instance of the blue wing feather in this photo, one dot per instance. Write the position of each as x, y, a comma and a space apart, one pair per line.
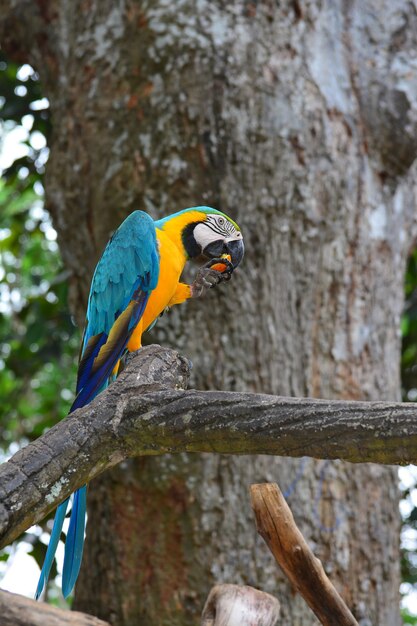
128, 269
130, 260
102, 365
125, 276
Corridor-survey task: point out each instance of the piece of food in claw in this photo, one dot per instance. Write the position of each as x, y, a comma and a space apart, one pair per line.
221, 267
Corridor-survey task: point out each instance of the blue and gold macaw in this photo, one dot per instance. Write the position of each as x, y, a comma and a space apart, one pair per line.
136, 279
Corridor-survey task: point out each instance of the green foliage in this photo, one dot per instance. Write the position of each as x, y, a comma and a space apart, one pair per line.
409, 537
38, 345
38, 341
21, 95
409, 383
408, 618
409, 332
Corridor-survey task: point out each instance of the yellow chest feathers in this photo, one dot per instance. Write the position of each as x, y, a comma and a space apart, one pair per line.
171, 265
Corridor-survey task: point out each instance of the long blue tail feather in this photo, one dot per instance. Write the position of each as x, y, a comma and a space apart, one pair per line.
75, 541
53, 543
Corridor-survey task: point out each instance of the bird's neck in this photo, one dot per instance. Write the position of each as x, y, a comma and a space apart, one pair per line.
173, 228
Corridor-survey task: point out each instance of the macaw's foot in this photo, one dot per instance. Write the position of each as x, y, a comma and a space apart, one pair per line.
208, 277
205, 279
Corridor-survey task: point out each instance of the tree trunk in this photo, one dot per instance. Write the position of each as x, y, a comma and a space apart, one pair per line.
298, 119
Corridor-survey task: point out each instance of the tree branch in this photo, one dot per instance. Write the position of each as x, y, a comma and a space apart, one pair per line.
17, 610
146, 412
275, 523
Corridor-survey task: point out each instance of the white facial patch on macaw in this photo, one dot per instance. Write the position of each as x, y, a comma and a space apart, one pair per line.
215, 228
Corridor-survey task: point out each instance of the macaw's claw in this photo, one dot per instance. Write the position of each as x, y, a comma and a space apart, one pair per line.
212, 273
206, 278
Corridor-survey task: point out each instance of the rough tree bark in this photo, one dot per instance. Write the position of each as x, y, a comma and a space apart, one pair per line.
299, 119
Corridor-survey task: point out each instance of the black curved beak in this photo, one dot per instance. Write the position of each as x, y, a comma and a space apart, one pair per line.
234, 248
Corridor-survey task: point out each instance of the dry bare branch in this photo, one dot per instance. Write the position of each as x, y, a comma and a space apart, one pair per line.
275, 523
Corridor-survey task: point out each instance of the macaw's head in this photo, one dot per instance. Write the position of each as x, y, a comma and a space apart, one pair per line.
210, 234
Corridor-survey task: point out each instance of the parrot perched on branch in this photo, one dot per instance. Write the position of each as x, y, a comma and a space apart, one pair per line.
136, 279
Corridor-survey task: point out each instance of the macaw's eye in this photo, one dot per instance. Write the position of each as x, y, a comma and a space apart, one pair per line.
221, 221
